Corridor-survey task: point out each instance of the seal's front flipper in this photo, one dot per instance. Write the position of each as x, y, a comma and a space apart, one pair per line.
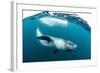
55, 51
46, 38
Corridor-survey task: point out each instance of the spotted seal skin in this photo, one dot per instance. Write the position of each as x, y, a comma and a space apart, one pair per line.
59, 43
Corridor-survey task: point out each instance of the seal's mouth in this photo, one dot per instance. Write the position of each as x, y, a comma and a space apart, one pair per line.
59, 43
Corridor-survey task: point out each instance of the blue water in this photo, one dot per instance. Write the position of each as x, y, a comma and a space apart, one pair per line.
33, 51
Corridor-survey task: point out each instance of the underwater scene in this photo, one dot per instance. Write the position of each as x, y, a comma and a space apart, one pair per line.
55, 36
